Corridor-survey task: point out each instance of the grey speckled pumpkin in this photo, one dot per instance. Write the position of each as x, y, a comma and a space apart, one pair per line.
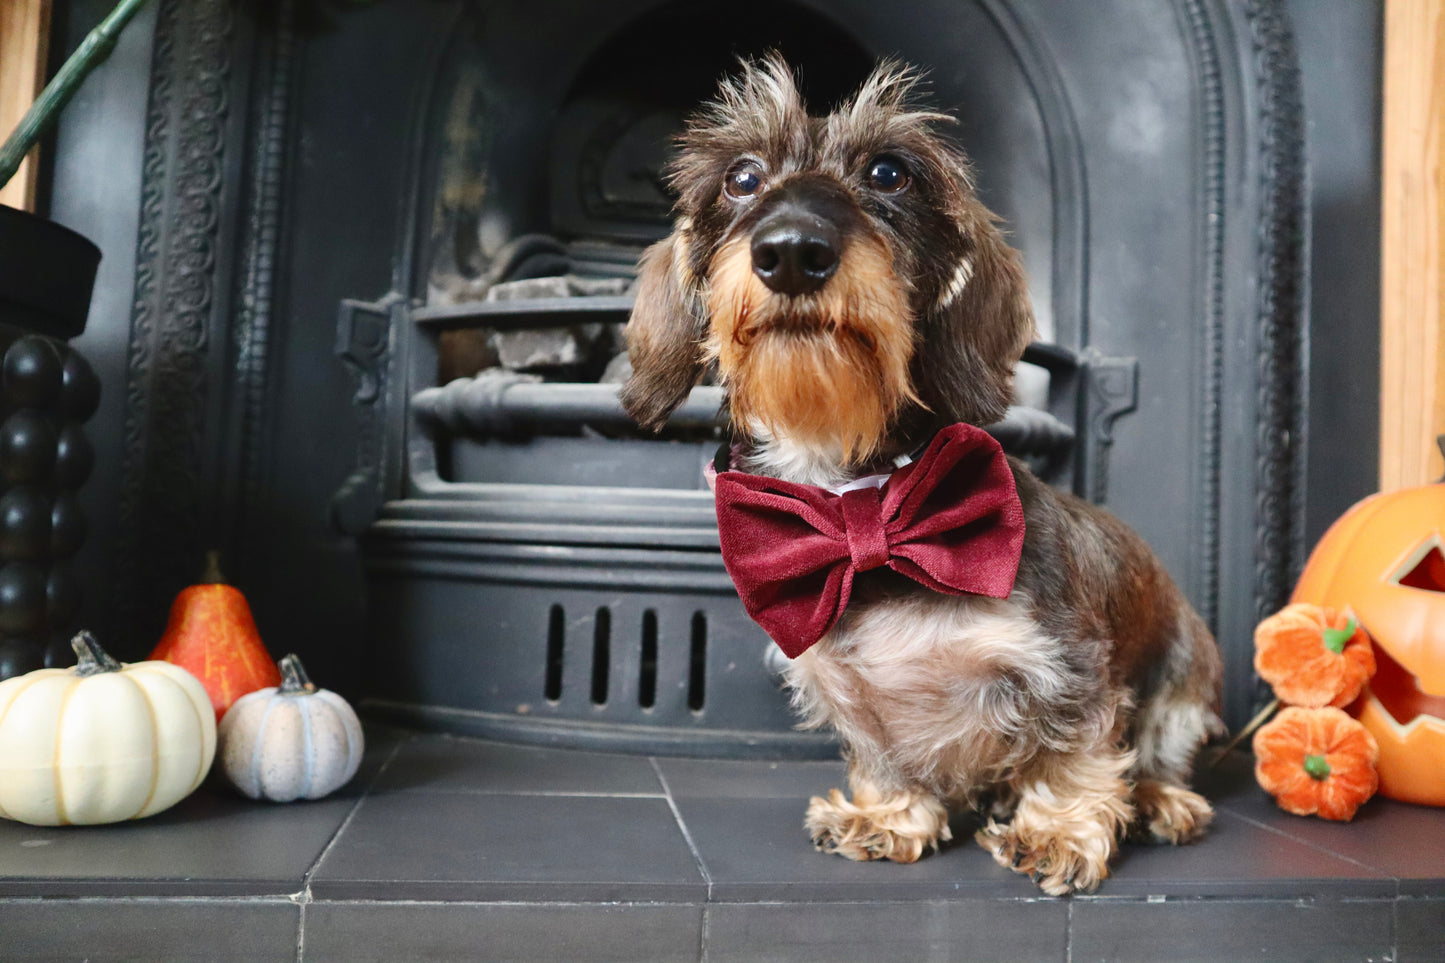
291, 742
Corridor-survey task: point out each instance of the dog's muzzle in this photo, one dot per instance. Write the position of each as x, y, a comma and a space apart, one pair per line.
795, 252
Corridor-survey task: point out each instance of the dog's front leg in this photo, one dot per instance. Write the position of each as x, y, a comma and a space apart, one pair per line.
899, 825
1072, 809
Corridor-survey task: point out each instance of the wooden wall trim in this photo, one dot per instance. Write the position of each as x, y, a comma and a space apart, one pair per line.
1412, 346
24, 43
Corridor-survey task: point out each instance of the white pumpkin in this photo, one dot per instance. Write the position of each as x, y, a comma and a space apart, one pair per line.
291, 742
101, 742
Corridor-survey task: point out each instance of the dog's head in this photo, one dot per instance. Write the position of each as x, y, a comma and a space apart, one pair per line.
840, 270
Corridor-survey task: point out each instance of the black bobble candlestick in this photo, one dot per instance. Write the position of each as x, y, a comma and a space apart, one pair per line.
47, 392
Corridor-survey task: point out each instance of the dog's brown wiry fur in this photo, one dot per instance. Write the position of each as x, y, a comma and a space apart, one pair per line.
829, 369
1069, 711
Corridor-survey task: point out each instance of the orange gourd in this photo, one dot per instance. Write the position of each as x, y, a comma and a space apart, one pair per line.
1313, 656
1382, 560
212, 635
1316, 762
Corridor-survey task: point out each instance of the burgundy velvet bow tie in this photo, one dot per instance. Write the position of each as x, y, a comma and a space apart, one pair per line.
950, 520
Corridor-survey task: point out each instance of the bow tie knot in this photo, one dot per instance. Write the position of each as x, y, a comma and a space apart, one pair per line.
951, 521
863, 522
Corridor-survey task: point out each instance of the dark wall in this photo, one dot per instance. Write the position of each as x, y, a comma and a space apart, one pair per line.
1340, 45
95, 180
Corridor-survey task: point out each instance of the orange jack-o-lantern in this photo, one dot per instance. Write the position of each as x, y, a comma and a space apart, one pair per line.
1384, 560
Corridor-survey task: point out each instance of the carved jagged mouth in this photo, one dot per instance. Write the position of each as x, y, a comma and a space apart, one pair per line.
1397, 692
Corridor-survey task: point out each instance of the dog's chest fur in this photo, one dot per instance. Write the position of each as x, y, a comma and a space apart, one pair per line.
937, 691
949, 693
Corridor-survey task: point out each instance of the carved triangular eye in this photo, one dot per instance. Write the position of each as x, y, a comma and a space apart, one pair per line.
1425, 572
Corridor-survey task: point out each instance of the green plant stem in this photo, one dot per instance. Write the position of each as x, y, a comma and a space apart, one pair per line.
52, 100
1260, 718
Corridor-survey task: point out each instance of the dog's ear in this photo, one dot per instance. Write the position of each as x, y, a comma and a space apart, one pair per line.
664, 334
977, 326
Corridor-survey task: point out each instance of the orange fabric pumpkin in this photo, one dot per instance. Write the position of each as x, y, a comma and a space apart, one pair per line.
1383, 560
212, 635
1316, 762
1313, 656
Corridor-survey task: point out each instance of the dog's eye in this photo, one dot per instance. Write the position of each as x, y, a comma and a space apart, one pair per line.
744, 180
887, 174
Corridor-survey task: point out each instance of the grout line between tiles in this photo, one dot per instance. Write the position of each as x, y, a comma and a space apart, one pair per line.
682, 827
565, 794
270, 899
1069, 932
1395, 929
1313, 845
303, 897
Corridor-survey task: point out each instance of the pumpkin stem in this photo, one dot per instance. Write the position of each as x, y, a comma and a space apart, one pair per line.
91, 658
212, 574
293, 677
1335, 639
1317, 767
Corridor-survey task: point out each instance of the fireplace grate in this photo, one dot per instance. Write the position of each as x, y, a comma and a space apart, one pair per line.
534, 498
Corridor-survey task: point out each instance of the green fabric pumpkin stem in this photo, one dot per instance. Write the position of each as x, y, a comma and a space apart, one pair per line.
52, 100
294, 680
1318, 767
91, 659
1335, 639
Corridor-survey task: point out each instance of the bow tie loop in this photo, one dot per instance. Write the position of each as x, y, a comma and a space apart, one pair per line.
951, 521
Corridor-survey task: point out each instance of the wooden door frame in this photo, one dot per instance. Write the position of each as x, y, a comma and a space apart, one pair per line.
24, 45
1412, 266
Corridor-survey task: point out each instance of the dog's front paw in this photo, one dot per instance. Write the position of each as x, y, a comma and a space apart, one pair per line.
900, 826
1169, 813
1060, 863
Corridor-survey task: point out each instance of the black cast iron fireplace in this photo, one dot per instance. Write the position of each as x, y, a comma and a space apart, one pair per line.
539, 570
384, 253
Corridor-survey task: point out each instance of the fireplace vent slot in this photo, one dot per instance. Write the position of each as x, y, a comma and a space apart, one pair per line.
601, 655
647, 674
697, 666
556, 628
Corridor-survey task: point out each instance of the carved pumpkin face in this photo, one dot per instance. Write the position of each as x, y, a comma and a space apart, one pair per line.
1384, 559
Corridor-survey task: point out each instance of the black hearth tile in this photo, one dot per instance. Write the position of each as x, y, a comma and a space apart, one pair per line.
1401, 840
482, 847
1240, 858
757, 850
963, 930
446, 763
1420, 930
214, 843
157, 931
758, 779
1180, 931
1225, 779
465, 932
1397, 839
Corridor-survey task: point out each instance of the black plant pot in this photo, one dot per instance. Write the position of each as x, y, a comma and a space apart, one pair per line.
46, 275
47, 392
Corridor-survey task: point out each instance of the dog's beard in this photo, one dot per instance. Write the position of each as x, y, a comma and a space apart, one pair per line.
828, 369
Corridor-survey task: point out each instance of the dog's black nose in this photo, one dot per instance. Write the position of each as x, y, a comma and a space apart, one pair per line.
796, 255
